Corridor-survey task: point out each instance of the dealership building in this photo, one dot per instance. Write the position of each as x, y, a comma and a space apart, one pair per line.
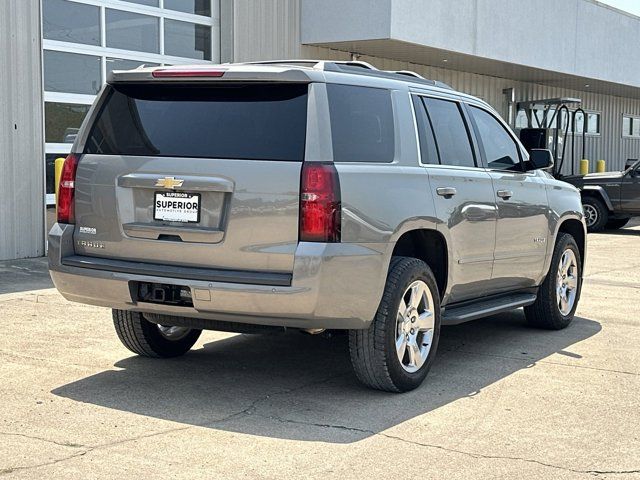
526, 58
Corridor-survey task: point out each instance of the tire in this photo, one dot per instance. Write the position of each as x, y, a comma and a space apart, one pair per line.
373, 351
596, 214
616, 223
152, 340
546, 312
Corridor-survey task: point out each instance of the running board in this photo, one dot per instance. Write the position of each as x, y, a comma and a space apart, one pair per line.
454, 314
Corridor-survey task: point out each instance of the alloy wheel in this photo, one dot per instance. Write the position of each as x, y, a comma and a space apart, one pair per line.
567, 282
415, 326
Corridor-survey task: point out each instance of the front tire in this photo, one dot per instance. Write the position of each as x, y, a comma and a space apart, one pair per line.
150, 339
559, 294
396, 352
596, 214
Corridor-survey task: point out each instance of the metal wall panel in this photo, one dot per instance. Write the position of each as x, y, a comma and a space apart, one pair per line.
21, 131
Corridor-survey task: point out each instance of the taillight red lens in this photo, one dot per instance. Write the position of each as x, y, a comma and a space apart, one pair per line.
67, 190
319, 203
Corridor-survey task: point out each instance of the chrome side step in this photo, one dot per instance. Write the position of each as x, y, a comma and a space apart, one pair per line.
454, 314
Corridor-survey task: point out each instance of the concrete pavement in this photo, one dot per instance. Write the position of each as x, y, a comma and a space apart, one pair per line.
502, 400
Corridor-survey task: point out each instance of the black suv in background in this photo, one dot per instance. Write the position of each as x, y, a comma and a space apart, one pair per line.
609, 199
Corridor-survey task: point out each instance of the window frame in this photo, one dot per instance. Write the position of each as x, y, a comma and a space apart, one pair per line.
104, 52
505, 127
477, 159
633, 118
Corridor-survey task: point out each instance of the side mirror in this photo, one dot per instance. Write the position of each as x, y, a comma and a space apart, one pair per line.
539, 158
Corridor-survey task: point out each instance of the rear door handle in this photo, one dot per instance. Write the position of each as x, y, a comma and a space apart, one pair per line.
506, 194
446, 192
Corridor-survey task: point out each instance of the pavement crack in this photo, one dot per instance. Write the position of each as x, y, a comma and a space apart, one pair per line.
42, 439
252, 407
7, 471
450, 450
531, 361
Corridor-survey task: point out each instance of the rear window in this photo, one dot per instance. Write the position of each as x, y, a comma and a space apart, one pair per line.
252, 122
361, 124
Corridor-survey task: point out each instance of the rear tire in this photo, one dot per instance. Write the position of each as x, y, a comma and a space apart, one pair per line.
547, 311
595, 213
150, 339
616, 223
407, 325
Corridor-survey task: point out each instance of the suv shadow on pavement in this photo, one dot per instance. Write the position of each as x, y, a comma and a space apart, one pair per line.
301, 387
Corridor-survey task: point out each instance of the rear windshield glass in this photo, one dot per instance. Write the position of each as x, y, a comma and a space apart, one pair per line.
253, 122
361, 124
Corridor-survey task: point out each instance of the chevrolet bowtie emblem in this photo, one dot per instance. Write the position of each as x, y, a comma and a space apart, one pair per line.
169, 182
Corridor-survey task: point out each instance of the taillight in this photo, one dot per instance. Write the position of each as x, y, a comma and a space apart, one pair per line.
319, 203
67, 189
196, 72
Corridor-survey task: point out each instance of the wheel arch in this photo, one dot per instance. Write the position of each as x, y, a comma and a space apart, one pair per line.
430, 246
596, 191
576, 229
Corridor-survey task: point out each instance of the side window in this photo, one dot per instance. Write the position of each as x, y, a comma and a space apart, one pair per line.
361, 124
428, 149
451, 133
499, 147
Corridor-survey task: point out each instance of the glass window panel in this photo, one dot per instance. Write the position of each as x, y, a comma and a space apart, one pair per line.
151, 3
71, 22
499, 147
253, 122
551, 118
362, 127
184, 39
635, 127
451, 133
62, 121
132, 31
579, 123
593, 123
428, 149
199, 7
521, 119
122, 64
626, 126
71, 73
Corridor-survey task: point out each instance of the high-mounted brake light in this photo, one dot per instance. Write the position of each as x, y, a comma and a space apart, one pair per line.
67, 190
320, 208
200, 72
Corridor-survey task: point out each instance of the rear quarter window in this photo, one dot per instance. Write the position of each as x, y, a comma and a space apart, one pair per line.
252, 122
362, 127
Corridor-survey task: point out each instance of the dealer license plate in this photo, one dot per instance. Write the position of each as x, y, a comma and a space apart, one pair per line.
177, 207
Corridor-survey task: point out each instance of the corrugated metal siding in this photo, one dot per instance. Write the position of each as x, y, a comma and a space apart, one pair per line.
269, 29
21, 132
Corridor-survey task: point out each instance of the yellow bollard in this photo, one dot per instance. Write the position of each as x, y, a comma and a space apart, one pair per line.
601, 166
57, 168
584, 166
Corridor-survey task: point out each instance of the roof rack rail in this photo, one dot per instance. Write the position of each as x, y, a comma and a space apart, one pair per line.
354, 67
318, 64
408, 73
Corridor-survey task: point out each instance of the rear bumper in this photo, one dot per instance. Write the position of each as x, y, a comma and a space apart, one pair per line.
335, 286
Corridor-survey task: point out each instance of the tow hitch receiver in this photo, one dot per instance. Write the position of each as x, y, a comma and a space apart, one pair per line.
166, 294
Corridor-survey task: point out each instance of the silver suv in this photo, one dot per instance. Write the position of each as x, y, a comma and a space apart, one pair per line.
310, 195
